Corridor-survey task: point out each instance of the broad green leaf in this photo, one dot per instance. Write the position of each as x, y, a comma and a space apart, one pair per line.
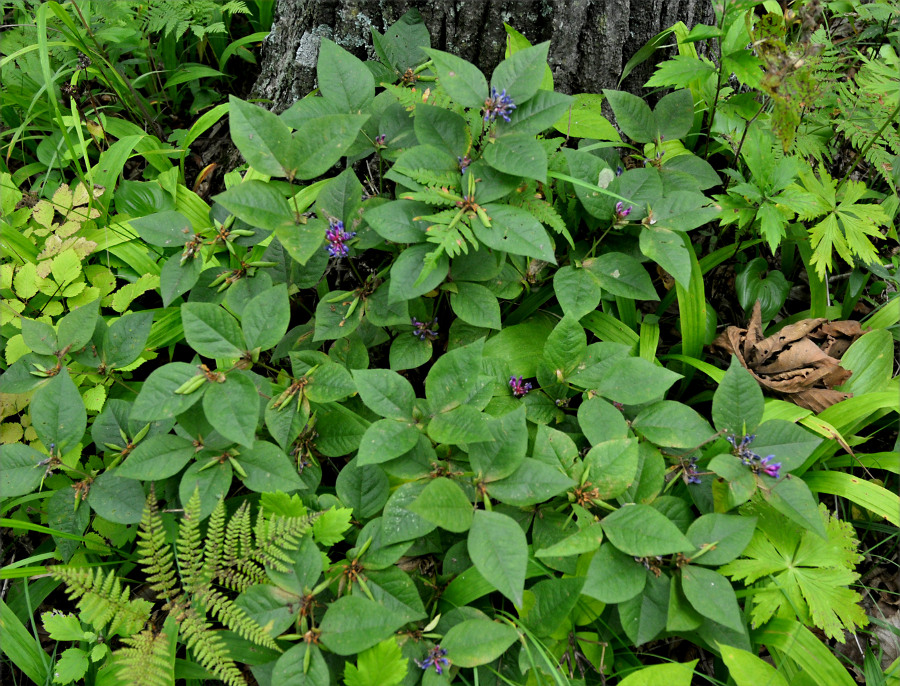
540, 113
728, 534
263, 139
521, 74
77, 327
441, 128
499, 551
166, 229
233, 408
443, 503
613, 576
116, 499
518, 154
585, 540
672, 424
674, 115
504, 452
793, 499
408, 352
532, 483
266, 318
565, 346
644, 616
398, 221
20, 469
576, 290
177, 278
462, 80
756, 282
385, 392
668, 250
40, 337
600, 421
268, 469
322, 141
790, 444
463, 424
302, 241
296, 668
386, 439
126, 338
211, 483
585, 119
343, 78
554, 602
211, 331
157, 398
399, 523
521, 345
258, 204
622, 275
613, 466
633, 116
455, 379
641, 530
354, 623
748, 670
381, 665
58, 414
870, 358
407, 270
738, 404
157, 457
671, 674
64, 516
475, 305
365, 488
712, 596
330, 526
475, 642
635, 381
329, 383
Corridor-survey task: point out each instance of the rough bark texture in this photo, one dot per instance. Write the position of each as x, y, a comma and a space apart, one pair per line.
590, 40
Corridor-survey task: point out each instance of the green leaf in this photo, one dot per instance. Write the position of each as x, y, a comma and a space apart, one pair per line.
211, 331
729, 534
521, 73
503, 454
65, 517
540, 113
381, 665
668, 250
752, 284
812, 655
463, 81
644, 616
671, 674
635, 381
712, 596
71, 665
793, 499
58, 414
532, 483
386, 439
157, 457
475, 642
266, 318
258, 204
613, 576
364, 488
40, 337
353, 623
600, 421
330, 526
673, 425
269, 469
385, 392
408, 352
613, 466
455, 379
116, 499
585, 120
585, 540
126, 339
633, 115
520, 346
20, 471
263, 139
177, 278
576, 290
674, 115
21, 647
62, 627
747, 669
328, 383
397, 220
622, 275
565, 346
464, 424
791, 445
441, 128
641, 530
233, 408
295, 668
407, 270
870, 358
516, 231
322, 141
212, 483
168, 229
475, 305
75, 330
499, 551
343, 78
443, 503
518, 154
302, 241
157, 398
738, 404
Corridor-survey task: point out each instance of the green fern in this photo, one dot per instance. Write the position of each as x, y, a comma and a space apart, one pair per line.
235, 555
200, 17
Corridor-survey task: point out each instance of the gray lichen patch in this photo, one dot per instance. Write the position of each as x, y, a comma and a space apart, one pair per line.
308, 50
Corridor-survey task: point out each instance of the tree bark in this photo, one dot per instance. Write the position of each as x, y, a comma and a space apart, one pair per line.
590, 40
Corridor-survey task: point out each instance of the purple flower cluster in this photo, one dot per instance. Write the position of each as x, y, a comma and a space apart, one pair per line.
690, 472
464, 163
424, 330
757, 464
519, 389
621, 211
498, 105
336, 237
435, 658
381, 140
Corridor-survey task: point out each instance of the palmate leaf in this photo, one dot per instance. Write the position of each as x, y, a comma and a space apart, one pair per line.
798, 571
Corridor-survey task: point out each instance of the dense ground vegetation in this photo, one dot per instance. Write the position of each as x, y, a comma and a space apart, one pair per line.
456, 380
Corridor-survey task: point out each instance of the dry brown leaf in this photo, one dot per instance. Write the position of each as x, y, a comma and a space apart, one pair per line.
801, 362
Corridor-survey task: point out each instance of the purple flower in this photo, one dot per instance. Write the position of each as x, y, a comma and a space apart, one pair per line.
757, 464
621, 211
769, 468
690, 472
464, 163
519, 389
336, 237
380, 140
424, 330
498, 105
435, 658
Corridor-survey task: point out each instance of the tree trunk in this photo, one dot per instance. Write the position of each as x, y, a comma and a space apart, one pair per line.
590, 40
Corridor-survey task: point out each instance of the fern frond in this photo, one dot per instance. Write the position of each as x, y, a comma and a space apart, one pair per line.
436, 178
236, 619
207, 647
156, 556
277, 536
429, 196
215, 538
102, 600
145, 661
190, 562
